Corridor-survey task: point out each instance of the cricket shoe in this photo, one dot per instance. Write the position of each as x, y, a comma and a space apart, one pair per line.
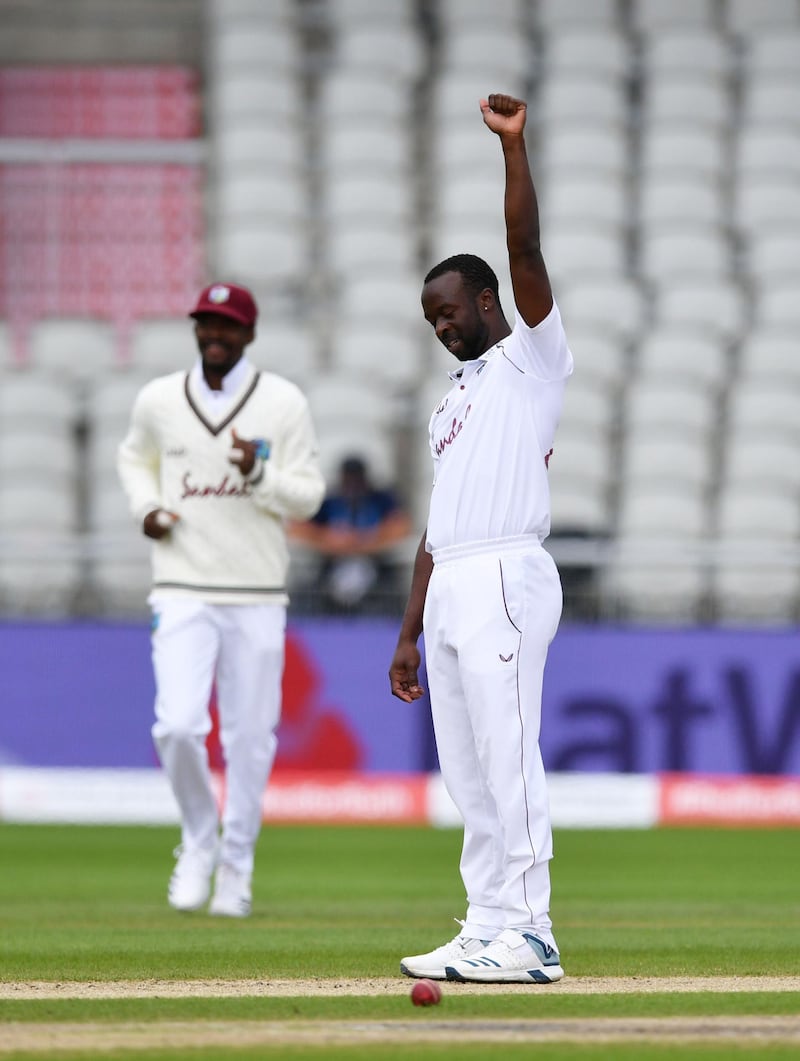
514, 957
432, 966
190, 883
232, 893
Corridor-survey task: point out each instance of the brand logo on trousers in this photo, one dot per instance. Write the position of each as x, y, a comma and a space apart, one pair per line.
506, 659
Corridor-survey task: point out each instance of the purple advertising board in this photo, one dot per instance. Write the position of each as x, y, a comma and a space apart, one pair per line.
619, 700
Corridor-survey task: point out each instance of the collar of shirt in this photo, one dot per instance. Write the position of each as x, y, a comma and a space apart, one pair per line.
231, 384
468, 368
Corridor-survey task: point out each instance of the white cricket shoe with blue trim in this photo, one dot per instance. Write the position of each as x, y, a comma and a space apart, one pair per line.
431, 966
514, 957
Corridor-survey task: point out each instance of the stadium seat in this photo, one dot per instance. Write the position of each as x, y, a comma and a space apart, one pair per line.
357, 196
254, 95
774, 101
587, 51
583, 147
395, 294
770, 355
43, 580
660, 404
766, 151
666, 457
656, 577
758, 462
578, 458
577, 508
743, 17
663, 510
26, 451
578, 250
36, 397
352, 95
581, 97
598, 356
372, 147
750, 587
255, 44
355, 247
686, 49
270, 145
159, 346
347, 13
244, 194
679, 200
288, 347
678, 149
46, 505
688, 97
676, 252
763, 409
340, 440
366, 350
72, 349
457, 150
767, 512
589, 198
773, 255
713, 306
613, 305
654, 16
264, 253
682, 355
766, 203
555, 15
776, 305
395, 48
487, 49
589, 409
770, 52
344, 401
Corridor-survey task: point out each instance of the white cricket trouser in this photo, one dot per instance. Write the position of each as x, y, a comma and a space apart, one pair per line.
491, 611
243, 647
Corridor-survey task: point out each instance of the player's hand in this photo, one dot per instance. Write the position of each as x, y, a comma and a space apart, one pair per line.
243, 454
504, 114
158, 523
403, 673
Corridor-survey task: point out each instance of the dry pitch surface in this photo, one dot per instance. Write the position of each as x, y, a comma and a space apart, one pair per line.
63, 1036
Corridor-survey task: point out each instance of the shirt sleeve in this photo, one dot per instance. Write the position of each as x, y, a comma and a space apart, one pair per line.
138, 461
541, 351
292, 485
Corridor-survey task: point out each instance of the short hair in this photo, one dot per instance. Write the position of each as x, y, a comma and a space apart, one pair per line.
475, 272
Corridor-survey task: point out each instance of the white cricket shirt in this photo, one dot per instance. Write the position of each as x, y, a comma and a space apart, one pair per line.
490, 436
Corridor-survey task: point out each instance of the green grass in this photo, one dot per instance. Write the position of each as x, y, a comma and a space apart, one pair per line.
81, 903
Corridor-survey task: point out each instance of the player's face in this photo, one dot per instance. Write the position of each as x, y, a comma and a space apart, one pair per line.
453, 312
221, 341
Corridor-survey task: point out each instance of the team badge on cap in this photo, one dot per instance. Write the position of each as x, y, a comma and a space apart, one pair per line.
219, 294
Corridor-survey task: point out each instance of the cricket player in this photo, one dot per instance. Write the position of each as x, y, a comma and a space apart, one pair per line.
215, 460
486, 593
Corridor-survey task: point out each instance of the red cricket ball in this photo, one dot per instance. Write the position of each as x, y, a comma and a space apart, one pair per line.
426, 993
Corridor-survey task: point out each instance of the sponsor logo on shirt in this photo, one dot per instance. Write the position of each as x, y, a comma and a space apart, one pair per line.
452, 434
226, 488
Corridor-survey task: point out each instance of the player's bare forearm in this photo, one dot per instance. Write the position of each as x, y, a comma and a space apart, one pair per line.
403, 672
506, 117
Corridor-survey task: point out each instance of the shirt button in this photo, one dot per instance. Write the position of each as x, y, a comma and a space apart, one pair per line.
462, 386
